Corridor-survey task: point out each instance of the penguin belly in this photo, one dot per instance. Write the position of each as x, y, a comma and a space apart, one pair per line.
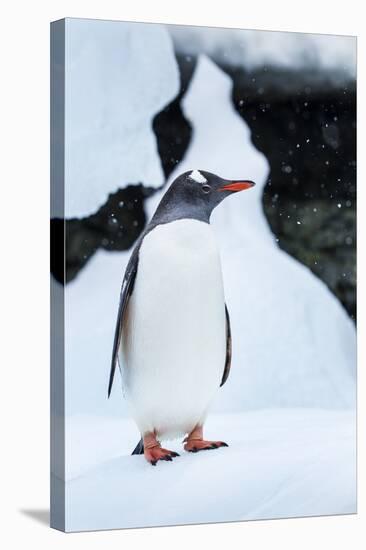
173, 344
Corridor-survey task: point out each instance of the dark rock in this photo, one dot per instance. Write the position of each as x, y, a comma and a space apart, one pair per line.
115, 226
172, 129
305, 124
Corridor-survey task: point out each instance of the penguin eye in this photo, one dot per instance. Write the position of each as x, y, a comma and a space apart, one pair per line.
206, 188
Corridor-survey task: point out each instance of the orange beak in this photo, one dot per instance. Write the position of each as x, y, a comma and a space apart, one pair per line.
237, 186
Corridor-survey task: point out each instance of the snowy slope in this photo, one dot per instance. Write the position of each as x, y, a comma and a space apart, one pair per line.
118, 76
293, 343
280, 463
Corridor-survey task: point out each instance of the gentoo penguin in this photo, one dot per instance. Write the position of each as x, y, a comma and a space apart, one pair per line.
172, 338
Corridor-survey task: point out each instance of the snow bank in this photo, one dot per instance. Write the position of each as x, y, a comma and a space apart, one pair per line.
280, 463
293, 343
91, 305
118, 76
252, 49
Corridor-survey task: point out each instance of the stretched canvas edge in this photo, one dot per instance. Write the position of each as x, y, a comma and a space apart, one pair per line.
57, 313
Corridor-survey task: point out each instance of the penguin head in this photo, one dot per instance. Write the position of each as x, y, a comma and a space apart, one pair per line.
198, 192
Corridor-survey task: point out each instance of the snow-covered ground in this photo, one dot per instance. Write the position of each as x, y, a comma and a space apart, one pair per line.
293, 355
279, 463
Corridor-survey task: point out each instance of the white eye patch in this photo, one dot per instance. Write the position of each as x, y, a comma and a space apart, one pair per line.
197, 176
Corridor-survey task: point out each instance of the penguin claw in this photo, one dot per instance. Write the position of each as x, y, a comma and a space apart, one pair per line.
202, 445
154, 454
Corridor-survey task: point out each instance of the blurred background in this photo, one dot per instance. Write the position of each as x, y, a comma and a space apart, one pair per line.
297, 94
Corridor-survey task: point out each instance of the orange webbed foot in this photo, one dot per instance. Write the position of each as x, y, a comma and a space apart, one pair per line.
196, 445
156, 453
194, 441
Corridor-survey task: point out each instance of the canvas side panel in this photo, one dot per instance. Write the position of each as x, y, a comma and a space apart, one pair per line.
57, 438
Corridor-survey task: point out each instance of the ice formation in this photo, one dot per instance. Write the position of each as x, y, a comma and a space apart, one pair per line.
118, 76
252, 49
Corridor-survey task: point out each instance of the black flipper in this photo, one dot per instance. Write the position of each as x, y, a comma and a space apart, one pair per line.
139, 449
126, 291
228, 349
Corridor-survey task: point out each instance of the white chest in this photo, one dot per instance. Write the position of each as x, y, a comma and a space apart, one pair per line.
181, 255
174, 347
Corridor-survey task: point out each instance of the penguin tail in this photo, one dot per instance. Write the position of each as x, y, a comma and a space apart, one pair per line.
139, 449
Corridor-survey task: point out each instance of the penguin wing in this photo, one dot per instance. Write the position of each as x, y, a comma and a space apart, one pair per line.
126, 291
225, 376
